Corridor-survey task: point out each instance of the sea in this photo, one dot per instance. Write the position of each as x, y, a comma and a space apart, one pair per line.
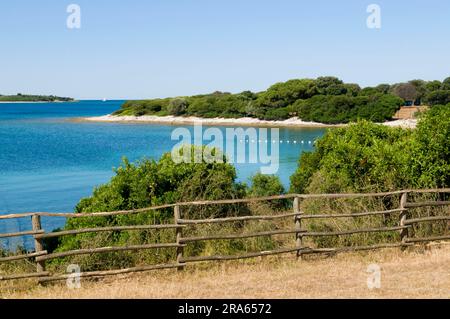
49, 160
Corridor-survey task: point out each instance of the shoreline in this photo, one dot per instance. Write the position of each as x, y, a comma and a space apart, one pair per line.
245, 121
20, 102
33, 102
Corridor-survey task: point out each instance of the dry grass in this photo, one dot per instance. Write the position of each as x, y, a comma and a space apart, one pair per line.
417, 273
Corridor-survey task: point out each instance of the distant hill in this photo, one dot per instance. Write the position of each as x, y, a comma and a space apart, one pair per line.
34, 98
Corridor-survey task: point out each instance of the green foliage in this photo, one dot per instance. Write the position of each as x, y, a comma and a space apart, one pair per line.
368, 157
284, 94
383, 88
344, 108
33, 98
265, 185
150, 183
356, 158
219, 104
446, 84
177, 106
325, 99
430, 157
268, 185
433, 86
438, 97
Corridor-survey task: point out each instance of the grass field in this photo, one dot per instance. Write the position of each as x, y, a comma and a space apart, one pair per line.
416, 273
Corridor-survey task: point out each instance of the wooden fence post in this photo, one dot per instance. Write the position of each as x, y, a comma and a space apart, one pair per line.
38, 246
177, 217
403, 217
298, 227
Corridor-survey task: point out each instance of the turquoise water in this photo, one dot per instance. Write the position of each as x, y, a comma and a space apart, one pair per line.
47, 163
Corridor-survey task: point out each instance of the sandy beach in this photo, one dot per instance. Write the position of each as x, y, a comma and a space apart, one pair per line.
245, 121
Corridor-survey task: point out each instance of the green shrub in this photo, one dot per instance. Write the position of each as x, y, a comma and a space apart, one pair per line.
366, 157
144, 184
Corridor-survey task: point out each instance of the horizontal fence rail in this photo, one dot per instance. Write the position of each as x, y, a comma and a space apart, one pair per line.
181, 239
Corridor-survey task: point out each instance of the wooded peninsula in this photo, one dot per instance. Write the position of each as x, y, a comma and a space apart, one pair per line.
34, 98
325, 99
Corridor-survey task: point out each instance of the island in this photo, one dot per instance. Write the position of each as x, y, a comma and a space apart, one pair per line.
325, 101
33, 98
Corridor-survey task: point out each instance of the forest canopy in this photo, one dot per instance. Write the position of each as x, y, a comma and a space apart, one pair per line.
325, 99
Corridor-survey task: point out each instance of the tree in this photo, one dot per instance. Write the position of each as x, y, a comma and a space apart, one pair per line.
177, 106
433, 86
284, 94
368, 91
446, 84
406, 91
421, 90
352, 89
324, 82
265, 185
383, 88
438, 97
268, 185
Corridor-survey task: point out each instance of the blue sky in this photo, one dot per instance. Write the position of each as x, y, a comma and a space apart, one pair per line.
157, 48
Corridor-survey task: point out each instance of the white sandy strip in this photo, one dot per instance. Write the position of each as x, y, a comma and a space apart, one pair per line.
244, 121
410, 123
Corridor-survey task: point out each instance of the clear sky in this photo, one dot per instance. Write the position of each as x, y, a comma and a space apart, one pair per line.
158, 48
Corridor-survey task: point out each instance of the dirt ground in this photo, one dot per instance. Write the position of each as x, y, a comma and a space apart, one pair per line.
416, 273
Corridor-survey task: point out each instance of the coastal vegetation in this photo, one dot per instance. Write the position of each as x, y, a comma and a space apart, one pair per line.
325, 99
366, 157
148, 183
363, 157
34, 98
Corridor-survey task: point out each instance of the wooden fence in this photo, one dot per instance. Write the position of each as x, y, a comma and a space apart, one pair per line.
40, 256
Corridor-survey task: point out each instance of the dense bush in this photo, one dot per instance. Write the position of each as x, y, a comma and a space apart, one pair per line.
344, 108
361, 157
149, 183
370, 157
366, 157
430, 156
265, 185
